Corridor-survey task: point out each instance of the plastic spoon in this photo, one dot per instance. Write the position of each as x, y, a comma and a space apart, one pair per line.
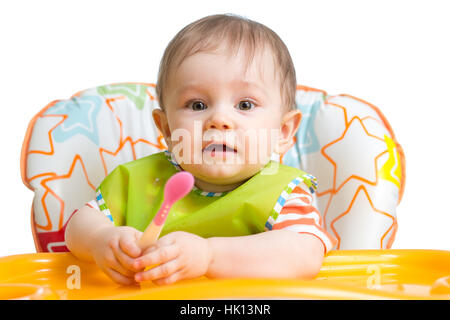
178, 185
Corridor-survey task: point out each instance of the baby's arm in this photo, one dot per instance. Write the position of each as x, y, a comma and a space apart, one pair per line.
274, 254
91, 236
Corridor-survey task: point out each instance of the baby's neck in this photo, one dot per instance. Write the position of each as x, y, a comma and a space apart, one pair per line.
209, 187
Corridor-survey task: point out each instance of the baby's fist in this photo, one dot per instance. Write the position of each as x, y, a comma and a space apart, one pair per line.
178, 255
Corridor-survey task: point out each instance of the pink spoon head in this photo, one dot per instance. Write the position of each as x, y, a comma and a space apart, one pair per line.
176, 188
178, 185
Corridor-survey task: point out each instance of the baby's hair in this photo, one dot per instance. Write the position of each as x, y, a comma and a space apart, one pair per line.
209, 33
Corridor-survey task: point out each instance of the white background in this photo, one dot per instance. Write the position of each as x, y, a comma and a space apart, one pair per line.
394, 54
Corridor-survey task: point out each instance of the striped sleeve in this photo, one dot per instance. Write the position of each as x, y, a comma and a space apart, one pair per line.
299, 214
99, 204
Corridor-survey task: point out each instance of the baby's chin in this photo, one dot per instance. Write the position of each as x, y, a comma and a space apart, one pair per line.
222, 173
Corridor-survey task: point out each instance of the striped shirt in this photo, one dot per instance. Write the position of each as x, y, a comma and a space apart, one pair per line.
299, 214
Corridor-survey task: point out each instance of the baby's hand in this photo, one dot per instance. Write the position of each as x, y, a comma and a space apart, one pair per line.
115, 251
178, 255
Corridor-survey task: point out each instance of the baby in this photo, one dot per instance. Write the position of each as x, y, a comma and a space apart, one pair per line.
226, 88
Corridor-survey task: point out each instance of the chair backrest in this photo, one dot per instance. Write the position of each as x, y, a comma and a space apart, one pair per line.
71, 145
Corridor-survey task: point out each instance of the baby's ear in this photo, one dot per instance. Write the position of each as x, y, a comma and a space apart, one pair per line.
289, 126
160, 119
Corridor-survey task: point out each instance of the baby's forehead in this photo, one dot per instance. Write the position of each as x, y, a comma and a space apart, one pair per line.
253, 65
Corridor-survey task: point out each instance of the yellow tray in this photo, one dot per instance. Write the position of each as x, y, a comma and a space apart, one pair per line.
345, 274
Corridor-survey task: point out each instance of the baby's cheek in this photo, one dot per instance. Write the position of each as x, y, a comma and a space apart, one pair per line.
259, 146
183, 147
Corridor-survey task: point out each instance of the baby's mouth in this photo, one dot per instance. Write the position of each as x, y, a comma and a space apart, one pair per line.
219, 149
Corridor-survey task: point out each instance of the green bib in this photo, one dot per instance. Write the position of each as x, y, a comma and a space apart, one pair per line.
133, 193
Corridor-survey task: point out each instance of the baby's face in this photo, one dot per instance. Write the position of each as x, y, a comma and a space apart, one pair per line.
222, 123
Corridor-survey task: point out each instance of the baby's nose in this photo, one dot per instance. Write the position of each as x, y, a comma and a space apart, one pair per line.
219, 123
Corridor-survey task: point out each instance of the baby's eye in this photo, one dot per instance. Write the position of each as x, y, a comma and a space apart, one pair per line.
246, 105
197, 105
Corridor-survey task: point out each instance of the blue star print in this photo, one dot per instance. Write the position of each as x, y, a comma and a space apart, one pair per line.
81, 118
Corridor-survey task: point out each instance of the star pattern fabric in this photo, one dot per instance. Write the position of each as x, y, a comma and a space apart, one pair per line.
136, 93
80, 115
364, 154
362, 212
339, 151
66, 156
